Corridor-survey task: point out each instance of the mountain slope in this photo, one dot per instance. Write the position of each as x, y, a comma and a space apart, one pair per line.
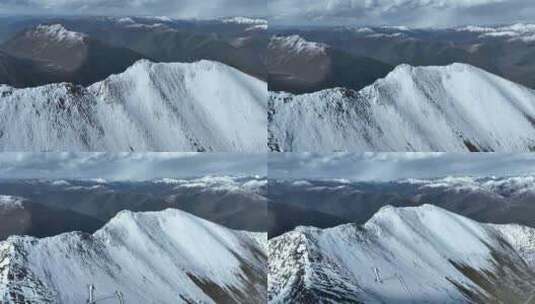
152, 257
451, 108
202, 106
67, 55
404, 255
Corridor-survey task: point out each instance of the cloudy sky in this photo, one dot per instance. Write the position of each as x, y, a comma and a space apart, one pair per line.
128, 166
205, 9
393, 166
415, 13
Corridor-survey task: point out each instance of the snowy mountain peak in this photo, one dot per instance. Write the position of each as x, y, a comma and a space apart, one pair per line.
149, 107
423, 253
146, 66
432, 108
152, 256
57, 33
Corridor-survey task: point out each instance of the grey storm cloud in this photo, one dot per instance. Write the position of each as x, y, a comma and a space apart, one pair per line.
394, 166
415, 13
128, 166
172, 8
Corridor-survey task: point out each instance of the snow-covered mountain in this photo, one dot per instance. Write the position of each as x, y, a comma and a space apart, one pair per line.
56, 32
437, 108
201, 106
152, 257
404, 255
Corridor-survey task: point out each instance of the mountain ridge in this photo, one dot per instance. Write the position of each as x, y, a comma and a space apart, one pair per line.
141, 109
136, 254
435, 108
418, 253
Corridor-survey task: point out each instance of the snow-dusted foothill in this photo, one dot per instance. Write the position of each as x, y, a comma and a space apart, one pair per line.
152, 257
56, 33
8, 202
201, 106
295, 44
404, 255
436, 108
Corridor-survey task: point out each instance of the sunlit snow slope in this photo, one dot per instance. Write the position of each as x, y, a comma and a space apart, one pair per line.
404, 255
152, 257
447, 108
202, 106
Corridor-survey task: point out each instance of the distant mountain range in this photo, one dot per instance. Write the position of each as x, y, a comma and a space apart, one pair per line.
146, 257
88, 49
438, 108
46, 208
324, 204
419, 254
504, 50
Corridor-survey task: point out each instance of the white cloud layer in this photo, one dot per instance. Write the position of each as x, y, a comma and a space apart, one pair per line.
416, 13
394, 166
172, 8
128, 166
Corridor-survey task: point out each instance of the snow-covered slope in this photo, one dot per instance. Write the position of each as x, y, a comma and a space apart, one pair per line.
153, 257
202, 106
404, 255
447, 108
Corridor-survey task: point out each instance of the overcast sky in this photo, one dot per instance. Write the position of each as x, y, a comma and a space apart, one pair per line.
128, 166
394, 166
201, 9
415, 13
